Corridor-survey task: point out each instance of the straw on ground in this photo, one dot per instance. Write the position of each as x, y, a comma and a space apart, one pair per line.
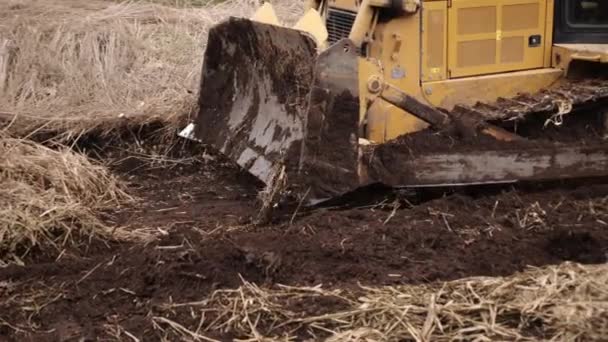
568, 302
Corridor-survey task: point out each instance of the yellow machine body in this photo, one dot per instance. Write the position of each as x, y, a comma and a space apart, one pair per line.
314, 107
454, 52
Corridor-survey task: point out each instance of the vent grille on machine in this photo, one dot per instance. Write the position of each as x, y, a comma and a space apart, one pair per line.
339, 22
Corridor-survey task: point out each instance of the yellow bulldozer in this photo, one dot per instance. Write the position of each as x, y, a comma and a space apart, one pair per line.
409, 93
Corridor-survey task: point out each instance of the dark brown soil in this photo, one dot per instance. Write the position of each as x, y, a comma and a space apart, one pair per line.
428, 141
201, 214
579, 128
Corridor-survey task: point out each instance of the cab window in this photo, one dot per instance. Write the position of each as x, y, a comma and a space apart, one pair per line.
587, 13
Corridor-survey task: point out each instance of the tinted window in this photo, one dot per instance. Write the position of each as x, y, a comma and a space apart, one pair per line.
587, 13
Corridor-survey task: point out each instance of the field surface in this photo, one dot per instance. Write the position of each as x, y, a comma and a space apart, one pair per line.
114, 229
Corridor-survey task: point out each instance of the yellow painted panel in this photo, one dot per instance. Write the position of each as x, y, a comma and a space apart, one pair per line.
396, 48
472, 20
512, 50
312, 23
266, 15
434, 41
520, 17
476, 52
376, 122
515, 21
435, 38
548, 46
385, 122
400, 122
469, 90
349, 5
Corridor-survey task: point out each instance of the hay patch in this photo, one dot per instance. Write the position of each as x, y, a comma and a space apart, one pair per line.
71, 67
568, 302
51, 197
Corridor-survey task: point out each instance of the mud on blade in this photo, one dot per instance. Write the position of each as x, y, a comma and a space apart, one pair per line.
268, 100
254, 87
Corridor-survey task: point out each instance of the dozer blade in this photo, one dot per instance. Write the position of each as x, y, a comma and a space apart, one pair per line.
274, 105
253, 94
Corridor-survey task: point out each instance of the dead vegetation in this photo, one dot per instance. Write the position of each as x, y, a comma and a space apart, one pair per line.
48, 197
73, 67
560, 303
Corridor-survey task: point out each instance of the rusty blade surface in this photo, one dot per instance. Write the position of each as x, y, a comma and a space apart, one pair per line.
254, 91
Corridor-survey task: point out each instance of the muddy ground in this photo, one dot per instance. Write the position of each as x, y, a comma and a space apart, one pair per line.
201, 210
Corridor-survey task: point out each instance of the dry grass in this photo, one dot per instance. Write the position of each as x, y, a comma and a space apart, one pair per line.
559, 303
179, 3
50, 196
73, 67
